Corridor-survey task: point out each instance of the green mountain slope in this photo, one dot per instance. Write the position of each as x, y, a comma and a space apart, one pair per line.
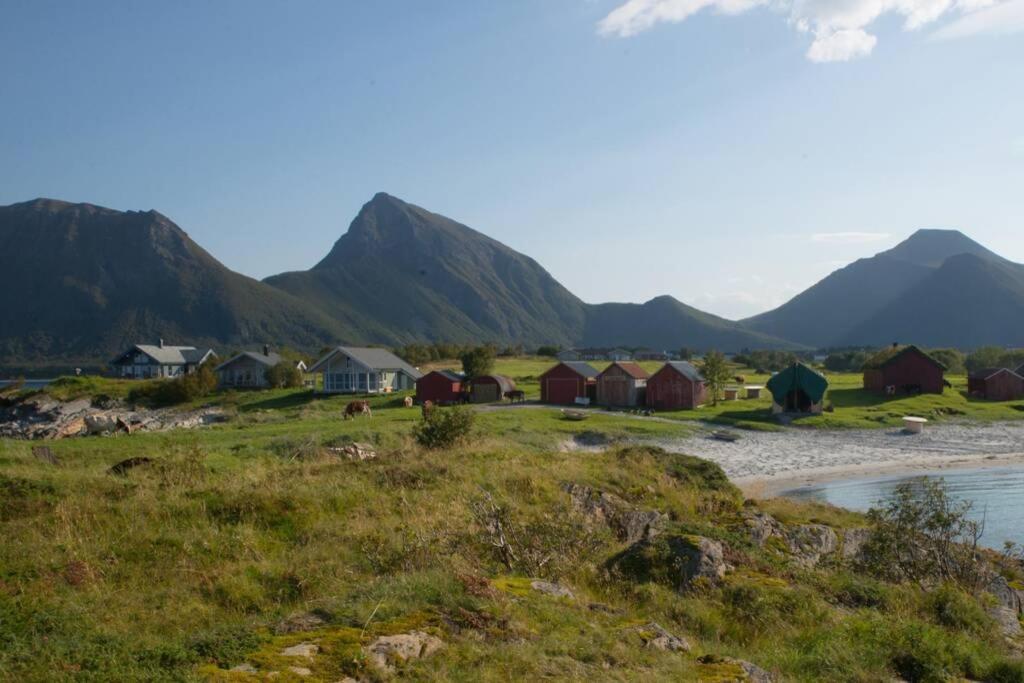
831, 312
89, 281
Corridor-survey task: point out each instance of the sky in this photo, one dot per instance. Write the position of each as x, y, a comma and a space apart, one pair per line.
729, 153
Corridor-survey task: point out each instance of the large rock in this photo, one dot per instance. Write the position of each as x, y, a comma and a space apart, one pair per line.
555, 589
730, 669
674, 560
629, 524
854, 541
761, 526
307, 650
386, 651
809, 543
1007, 595
1008, 621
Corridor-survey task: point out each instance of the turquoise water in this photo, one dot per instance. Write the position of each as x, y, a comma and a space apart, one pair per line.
997, 495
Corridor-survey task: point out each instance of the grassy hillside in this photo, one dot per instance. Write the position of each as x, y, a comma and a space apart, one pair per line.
186, 568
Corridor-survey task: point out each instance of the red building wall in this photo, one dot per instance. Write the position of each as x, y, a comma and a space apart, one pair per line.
667, 389
435, 387
1004, 386
909, 369
563, 385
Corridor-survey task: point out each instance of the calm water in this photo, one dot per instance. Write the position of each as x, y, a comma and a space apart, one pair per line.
997, 494
29, 383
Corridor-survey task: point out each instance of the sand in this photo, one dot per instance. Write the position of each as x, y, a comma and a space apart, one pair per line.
765, 463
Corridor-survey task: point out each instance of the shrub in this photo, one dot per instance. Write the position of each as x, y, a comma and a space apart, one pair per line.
169, 392
284, 375
954, 609
225, 645
478, 361
548, 351
444, 428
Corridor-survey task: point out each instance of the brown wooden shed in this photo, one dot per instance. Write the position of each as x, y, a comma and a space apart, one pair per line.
904, 370
490, 388
442, 387
678, 385
622, 384
568, 381
996, 384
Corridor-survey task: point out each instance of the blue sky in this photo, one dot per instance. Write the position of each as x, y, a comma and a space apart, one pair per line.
727, 152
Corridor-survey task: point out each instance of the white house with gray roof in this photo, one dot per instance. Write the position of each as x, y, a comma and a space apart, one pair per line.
249, 368
356, 370
147, 361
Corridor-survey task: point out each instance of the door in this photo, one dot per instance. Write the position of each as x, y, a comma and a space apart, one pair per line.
561, 390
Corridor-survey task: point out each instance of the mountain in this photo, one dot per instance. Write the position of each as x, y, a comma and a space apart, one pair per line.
422, 277
855, 305
425, 277
88, 281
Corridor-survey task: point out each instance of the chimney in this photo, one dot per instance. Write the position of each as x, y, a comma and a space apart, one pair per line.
161, 342
266, 349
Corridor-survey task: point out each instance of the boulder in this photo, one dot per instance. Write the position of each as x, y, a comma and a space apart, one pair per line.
629, 524
554, 589
809, 543
853, 543
731, 669
762, 527
1008, 621
385, 651
1006, 595
100, 424
655, 636
307, 650
674, 560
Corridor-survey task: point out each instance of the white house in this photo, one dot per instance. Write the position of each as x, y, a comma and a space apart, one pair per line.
145, 361
354, 370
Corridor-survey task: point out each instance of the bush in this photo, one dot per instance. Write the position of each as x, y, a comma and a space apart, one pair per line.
548, 351
478, 361
169, 392
444, 428
284, 375
955, 609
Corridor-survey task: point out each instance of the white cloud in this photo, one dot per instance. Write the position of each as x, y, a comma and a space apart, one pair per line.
849, 237
1002, 19
838, 26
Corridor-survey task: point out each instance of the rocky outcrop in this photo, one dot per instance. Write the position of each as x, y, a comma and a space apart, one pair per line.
628, 523
1006, 595
809, 543
555, 589
655, 636
42, 417
730, 669
387, 651
1008, 621
675, 560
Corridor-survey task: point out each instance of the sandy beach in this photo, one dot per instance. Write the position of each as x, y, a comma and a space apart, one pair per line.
765, 463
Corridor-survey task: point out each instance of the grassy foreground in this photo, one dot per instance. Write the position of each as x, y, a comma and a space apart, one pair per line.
184, 568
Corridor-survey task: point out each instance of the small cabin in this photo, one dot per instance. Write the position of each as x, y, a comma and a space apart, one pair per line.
622, 384
441, 387
357, 370
490, 388
996, 384
904, 370
248, 369
568, 381
798, 389
150, 361
678, 385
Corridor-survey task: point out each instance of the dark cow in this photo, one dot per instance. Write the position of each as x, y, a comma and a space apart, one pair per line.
516, 396
357, 408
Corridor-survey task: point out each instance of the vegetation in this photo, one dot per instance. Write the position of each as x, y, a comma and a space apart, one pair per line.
847, 361
284, 375
716, 373
478, 361
183, 389
994, 357
767, 361
188, 566
444, 428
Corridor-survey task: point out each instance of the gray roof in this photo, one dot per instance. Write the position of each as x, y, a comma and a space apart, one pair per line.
686, 370
582, 367
375, 359
170, 355
269, 359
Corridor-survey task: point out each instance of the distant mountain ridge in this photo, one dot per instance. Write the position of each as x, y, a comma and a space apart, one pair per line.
937, 288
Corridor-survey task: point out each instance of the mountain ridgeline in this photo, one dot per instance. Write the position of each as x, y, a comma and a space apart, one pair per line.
89, 281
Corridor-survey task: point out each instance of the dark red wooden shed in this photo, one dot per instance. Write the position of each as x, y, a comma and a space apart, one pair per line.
622, 384
567, 381
904, 370
678, 385
443, 387
996, 384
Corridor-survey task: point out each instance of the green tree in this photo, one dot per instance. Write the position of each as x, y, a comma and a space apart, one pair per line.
951, 358
548, 351
716, 373
478, 361
284, 375
985, 357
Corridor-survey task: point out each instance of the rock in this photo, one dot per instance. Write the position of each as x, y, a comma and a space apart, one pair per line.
853, 543
1007, 596
300, 622
673, 560
728, 668
384, 651
307, 650
100, 424
811, 542
1008, 621
245, 668
554, 589
762, 527
654, 635
300, 671
630, 525
354, 451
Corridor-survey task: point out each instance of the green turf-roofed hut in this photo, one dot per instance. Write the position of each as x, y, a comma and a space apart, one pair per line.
798, 389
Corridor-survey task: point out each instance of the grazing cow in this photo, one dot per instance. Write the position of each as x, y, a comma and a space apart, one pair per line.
408, 402
516, 395
357, 408
427, 409
740, 379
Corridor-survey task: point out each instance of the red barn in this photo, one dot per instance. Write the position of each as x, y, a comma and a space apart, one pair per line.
676, 386
904, 370
622, 384
996, 384
568, 381
440, 386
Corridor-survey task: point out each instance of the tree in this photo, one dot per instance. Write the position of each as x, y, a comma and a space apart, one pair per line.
284, 375
548, 351
716, 373
478, 361
951, 358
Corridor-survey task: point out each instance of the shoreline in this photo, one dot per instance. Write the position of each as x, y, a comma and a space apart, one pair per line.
761, 487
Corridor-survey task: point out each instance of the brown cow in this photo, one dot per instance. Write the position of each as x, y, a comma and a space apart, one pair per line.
357, 408
515, 395
741, 379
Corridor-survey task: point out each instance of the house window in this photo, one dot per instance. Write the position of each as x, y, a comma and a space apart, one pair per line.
374, 381
362, 382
